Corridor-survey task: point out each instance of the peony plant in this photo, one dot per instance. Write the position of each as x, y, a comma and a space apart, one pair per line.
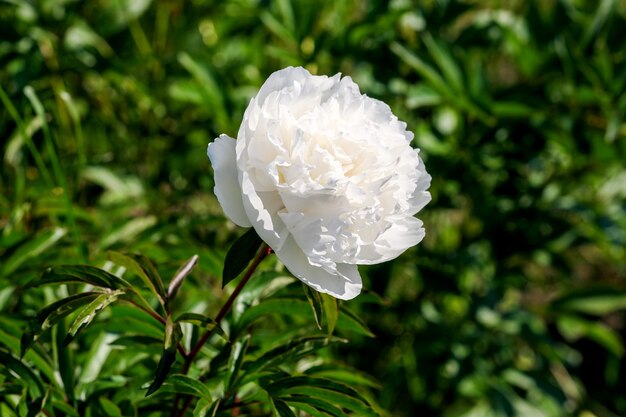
326, 177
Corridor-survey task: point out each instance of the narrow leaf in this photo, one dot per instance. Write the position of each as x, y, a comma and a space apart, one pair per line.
202, 321
141, 266
599, 301
236, 359
282, 409
191, 386
173, 334
110, 408
310, 410
180, 275
81, 273
52, 314
240, 254
331, 312
315, 300
350, 321
446, 62
88, 313
342, 373
293, 350
65, 363
318, 407
26, 375
32, 249
347, 401
285, 306
202, 408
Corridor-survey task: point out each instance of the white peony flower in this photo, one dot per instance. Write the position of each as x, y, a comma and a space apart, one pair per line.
325, 175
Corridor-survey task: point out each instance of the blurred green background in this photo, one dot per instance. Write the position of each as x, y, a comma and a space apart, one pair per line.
513, 305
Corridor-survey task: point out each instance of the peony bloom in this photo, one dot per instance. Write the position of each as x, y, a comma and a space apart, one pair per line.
325, 175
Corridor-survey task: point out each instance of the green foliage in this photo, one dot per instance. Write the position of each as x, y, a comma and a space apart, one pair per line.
240, 254
512, 306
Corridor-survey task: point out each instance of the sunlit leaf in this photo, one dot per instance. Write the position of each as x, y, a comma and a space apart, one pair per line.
52, 314
141, 266
88, 313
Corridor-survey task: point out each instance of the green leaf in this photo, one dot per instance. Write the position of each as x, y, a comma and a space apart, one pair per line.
180, 275
24, 373
437, 82
52, 314
315, 300
604, 11
347, 401
574, 328
284, 306
186, 385
282, 409
240, 254
141, 266
292, 350
285, 385
319, 407
336, 393
598, 302
350, 321
12, 342
202, 321
128, 231
512, 109
204, 408
81, 273
136, 340
446, 62
331, 312
88, 313
32, 249
425, 70
173, 334
238, 354
342, 373
208, 88
63, 356
110, 408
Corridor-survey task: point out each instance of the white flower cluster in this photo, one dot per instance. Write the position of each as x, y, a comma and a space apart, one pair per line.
325, 175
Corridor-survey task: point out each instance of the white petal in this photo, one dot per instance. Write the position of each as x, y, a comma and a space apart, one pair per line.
221, 152
345, 285
403, 234
262, 208
281, 79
